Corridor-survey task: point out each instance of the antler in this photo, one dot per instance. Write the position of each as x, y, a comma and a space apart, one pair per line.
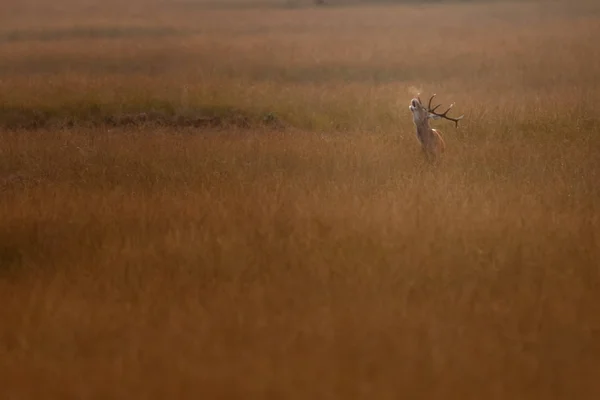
445, 113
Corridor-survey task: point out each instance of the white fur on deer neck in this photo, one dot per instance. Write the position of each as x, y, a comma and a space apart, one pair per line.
423, 128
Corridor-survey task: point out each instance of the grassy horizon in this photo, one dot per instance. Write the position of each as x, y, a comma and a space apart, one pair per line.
269, 228
278, 62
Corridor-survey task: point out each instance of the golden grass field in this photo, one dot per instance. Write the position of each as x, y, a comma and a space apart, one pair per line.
270, 230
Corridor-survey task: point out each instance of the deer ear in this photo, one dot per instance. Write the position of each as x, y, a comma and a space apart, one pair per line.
433, 116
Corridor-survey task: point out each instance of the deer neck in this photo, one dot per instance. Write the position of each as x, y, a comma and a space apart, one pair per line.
423, 130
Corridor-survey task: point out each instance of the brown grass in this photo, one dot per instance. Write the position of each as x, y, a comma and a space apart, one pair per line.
315, 258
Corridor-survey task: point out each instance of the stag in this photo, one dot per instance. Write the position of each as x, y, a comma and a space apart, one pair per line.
430, 139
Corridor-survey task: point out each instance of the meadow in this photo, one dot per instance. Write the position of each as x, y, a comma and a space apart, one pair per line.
228, 201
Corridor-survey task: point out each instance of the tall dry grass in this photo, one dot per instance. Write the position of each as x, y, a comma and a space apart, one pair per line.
319, 258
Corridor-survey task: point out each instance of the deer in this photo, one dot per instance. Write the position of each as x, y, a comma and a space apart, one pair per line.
430, 139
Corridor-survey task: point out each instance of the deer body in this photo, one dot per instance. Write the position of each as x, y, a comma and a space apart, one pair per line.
430, 139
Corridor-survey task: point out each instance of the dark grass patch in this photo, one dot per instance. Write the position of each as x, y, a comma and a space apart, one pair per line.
83, 32
160, 62
332, 73
27, 243
10, 259
192, 5
121, 64
153, 114
344, 73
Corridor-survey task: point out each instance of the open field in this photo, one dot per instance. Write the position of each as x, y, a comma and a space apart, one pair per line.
269, 228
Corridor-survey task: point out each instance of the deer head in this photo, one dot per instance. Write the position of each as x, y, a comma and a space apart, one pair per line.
422, 113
